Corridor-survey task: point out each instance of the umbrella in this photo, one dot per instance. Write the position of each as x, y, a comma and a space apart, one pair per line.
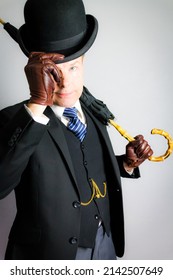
12, 31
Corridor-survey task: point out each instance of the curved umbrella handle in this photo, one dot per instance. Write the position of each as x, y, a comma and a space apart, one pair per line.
170, 144
154, 131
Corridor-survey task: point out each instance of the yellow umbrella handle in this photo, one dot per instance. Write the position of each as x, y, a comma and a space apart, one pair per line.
170, 144
154, 131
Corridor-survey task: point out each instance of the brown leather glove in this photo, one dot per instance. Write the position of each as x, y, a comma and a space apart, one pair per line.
137, 152
42, 74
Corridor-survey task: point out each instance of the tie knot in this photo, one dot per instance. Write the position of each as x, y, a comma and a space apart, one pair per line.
70, 112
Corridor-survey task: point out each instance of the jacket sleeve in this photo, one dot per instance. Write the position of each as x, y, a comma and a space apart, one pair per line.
19, 136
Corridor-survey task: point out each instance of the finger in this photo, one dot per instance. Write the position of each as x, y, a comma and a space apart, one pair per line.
54, 74
52, 56
36, 55
139, 139
144, 151
139, 143
57, 74
135, 143
42, 56
53, 69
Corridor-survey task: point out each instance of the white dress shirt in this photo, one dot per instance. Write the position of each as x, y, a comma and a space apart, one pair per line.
59, 114
60, 110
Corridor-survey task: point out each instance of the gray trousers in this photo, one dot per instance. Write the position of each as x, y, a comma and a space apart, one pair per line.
103, 249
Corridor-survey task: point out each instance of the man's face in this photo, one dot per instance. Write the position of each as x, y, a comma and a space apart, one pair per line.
72, 84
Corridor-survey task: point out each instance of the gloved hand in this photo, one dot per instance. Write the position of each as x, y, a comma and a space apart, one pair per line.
137, 152
42, 74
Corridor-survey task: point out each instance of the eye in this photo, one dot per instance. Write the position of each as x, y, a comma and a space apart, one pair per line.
73, 68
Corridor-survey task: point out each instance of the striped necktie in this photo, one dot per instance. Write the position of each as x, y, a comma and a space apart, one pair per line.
74, 124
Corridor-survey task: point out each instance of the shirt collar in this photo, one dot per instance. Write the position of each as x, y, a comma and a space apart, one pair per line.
60, 110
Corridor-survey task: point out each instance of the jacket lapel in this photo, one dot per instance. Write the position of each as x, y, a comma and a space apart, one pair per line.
56, 132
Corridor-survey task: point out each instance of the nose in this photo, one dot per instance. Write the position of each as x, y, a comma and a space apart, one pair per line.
64, 80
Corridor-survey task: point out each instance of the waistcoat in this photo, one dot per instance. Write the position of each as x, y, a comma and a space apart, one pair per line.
89, 163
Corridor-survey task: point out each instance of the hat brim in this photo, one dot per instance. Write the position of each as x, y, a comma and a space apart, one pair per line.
77, 51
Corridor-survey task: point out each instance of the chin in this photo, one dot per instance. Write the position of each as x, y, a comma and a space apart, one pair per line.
65, 102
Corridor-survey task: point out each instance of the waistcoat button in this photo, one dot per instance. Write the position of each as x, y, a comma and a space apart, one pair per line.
82, 146
73, 240
76, 204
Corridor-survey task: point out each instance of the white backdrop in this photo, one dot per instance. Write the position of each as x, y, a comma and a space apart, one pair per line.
130, 68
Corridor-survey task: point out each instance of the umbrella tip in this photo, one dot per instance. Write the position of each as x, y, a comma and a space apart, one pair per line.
1, 21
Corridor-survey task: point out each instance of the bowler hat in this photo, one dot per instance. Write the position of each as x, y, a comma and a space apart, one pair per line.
59, 26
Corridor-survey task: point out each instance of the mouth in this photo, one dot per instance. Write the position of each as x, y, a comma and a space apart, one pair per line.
64, 94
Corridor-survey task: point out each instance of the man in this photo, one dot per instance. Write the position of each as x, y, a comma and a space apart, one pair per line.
56, 153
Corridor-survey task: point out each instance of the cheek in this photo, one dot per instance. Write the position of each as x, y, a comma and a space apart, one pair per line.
79, 87
79, 80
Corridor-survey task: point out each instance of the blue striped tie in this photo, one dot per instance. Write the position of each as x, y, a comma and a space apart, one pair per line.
74, 124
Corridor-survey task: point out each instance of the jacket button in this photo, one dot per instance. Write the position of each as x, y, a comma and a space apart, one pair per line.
18, 130
14, 138
96, 217
73, 240
76, 204
11, 143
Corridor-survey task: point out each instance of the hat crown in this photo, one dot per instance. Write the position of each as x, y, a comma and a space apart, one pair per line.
54, 19
59, 26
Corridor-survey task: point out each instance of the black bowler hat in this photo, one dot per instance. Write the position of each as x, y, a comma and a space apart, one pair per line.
59, 26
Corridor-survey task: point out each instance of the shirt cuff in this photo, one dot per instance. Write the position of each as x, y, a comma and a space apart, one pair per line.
40, 119
130, 172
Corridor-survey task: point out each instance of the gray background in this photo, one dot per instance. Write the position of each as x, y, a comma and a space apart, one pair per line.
130, 68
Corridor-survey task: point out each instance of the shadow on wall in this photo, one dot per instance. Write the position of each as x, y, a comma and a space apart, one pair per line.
8, 208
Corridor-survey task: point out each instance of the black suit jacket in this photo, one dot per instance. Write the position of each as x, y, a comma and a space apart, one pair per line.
36, 163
